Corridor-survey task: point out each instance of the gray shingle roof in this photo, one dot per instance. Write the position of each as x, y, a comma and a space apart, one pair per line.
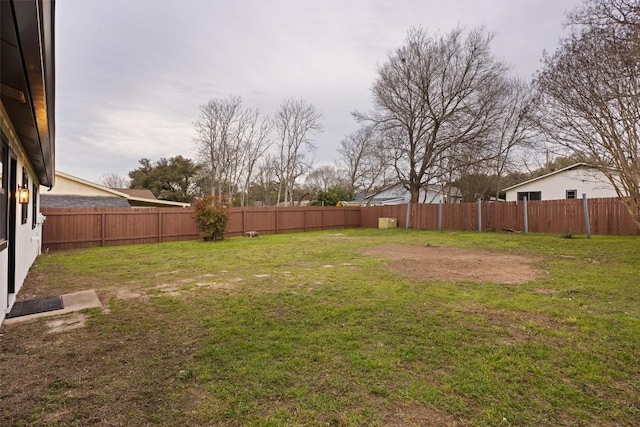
66, 201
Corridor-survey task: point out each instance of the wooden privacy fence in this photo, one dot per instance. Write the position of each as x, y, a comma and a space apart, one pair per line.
607, 216
83, 228
80, 228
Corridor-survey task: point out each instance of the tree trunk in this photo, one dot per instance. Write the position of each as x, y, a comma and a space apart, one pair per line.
414, 189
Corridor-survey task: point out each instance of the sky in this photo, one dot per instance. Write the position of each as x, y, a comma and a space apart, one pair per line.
132, 74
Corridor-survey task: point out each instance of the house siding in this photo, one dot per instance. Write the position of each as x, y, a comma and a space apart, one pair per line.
27, 244
66, 186
554, 187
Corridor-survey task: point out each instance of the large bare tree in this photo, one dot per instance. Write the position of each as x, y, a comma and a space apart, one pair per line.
295, 122
436, 99
590, 90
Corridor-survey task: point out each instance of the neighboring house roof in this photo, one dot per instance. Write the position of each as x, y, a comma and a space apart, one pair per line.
573, 166
72, 185
137, 192
69, 185
27, 77
69, 201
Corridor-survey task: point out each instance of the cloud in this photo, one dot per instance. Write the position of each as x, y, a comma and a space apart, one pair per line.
131, 74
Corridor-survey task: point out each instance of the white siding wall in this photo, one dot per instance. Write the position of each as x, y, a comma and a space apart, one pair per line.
4, 268
27, 238
67, 186
584, 180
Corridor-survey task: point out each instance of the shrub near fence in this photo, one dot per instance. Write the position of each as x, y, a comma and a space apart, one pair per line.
80, 228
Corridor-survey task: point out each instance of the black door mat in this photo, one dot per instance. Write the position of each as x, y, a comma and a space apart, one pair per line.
33, 306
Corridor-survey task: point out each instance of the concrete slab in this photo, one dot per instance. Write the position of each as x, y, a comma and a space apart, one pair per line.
72, 302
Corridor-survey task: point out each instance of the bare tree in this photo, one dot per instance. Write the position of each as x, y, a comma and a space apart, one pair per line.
362, 157
295, 122
436, 99
322, 178
256, 141
590, 89
263, 188
515, 130
229, 141
113, 180
217, 130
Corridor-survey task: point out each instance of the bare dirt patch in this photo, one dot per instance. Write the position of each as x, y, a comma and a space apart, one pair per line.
449, 264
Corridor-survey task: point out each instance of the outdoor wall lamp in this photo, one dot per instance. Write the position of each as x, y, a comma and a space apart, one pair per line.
23, 195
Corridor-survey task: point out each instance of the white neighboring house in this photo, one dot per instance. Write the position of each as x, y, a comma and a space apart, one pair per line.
398, 195
566, 183
27, 142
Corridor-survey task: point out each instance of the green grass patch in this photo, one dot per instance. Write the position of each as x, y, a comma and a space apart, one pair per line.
304, 329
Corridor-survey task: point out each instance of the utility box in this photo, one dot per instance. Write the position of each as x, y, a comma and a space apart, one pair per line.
387, 222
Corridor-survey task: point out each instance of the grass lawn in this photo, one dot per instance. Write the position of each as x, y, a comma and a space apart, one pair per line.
307, 329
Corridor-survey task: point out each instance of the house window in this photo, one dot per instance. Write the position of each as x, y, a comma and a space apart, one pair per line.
572, 194
25, 184
34, 205
4, 187
530, 195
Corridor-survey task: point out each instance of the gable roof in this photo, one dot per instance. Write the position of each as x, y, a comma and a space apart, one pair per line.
92, 185
573, 166
104, 192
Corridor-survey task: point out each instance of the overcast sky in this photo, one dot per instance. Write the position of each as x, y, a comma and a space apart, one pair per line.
131, 74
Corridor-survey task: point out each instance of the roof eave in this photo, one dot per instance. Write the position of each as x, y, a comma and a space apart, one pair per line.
34, 57
573, 166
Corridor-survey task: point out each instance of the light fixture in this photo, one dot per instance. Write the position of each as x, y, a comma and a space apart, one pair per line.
23, 195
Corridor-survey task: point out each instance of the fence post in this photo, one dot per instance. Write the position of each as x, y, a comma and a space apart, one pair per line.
159, 226
244, 221
103, 226
479, 215
526, 215
440, 216
323, 226
408, 218
585, 207
276, 210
